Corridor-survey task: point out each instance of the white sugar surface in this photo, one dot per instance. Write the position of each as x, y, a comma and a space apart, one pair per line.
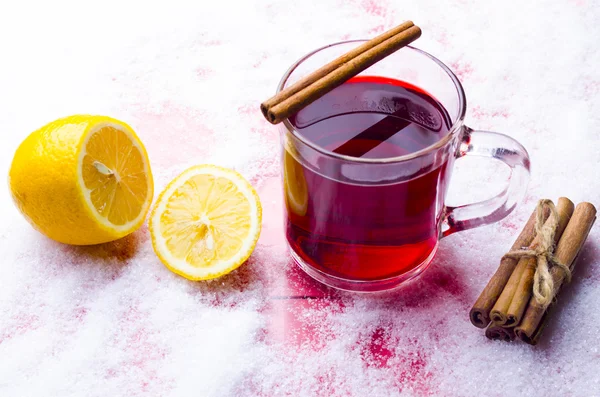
188, 77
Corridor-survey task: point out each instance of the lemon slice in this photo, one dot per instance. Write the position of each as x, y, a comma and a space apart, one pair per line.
113, 177
82, 180
294, 184
206, 222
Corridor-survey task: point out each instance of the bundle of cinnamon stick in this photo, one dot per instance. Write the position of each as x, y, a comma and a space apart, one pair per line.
516, 301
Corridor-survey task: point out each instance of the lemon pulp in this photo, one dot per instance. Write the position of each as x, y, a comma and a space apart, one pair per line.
114, 176
206, 222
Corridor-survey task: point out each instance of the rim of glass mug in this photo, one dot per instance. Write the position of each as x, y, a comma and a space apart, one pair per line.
457, 120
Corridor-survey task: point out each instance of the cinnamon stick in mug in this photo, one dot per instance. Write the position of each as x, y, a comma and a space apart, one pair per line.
523, 292
567, 250
331, 66
480, 312
291, 100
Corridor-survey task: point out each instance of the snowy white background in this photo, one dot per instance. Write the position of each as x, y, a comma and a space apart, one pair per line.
113, 321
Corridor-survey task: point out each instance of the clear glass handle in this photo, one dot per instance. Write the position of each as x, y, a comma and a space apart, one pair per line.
511, 153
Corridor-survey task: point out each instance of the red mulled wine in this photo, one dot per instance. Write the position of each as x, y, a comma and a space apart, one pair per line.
366, 231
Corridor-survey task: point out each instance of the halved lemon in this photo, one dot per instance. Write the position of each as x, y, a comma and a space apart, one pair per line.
206, 222
82, 180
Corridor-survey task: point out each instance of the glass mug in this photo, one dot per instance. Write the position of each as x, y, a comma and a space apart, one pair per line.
362, 222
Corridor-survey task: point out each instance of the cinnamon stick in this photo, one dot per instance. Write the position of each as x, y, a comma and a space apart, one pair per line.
534, 339
499, 311
498, 332
480, 312
523, 292
331, 66
567, 250
332, 75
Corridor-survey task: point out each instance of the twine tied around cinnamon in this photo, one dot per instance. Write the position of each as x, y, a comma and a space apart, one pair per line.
543, 285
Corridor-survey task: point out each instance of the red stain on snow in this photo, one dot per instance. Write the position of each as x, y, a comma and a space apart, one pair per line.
462, 69
437, 283
329, 384
268, 134
17, 325
479, 113
442, 38
299, 308
591, 88
203, 72
376, 30
271, 198
140, 351
263, 57
266, 169
500, 113
449, 283
510, 225
79, 313
110, 373
249, 386
72, 320
373, 7
249, 110
405, 359
378, 351
410, 369
301, 323
251, 115
299, 284
204, 41
179, 125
